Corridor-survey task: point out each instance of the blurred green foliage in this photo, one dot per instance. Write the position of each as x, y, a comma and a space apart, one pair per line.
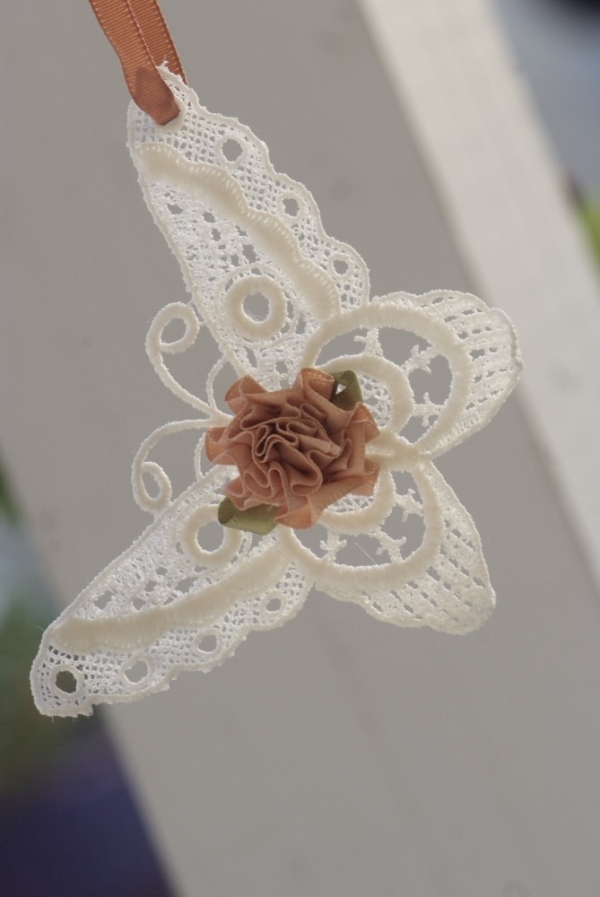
589, 210
29, 742
8, 505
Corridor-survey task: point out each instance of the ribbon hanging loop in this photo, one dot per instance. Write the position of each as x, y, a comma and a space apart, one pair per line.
139, 35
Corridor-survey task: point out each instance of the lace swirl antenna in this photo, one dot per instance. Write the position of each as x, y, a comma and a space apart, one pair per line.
140, 36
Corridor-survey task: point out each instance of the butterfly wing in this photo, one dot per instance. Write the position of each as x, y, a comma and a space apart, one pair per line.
433, 370
240, 230
173, 601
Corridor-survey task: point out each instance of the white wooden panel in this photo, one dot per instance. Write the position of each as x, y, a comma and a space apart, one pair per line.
510, 217
336, 756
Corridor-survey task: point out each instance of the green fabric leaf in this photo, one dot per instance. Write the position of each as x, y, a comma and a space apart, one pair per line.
350, 393
259, 520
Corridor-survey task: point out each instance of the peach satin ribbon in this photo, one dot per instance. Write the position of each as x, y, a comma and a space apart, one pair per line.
139, 34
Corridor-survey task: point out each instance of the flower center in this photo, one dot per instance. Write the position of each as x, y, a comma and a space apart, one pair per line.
297, 450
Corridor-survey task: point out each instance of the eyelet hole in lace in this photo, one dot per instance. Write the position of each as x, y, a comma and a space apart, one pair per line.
188, 584
208, 643
103, 600
291, 206
136, 671
67, 682
212, 536
231, 151
256, 307
339, 267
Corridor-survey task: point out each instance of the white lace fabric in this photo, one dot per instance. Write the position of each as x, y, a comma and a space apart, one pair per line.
173, 601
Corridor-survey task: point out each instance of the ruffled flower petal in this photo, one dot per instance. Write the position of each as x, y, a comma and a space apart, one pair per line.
294, 448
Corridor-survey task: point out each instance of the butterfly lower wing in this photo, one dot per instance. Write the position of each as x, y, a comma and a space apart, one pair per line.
448, 587
169, 603
367, 554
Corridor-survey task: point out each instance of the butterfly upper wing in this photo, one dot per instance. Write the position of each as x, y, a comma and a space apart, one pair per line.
477, 345
240, 229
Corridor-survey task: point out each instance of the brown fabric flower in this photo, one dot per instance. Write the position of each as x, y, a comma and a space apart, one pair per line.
294, 448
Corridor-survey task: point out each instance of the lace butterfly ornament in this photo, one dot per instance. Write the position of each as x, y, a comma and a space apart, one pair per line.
328, 453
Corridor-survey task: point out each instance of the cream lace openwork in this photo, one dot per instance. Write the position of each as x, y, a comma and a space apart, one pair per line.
408, 553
